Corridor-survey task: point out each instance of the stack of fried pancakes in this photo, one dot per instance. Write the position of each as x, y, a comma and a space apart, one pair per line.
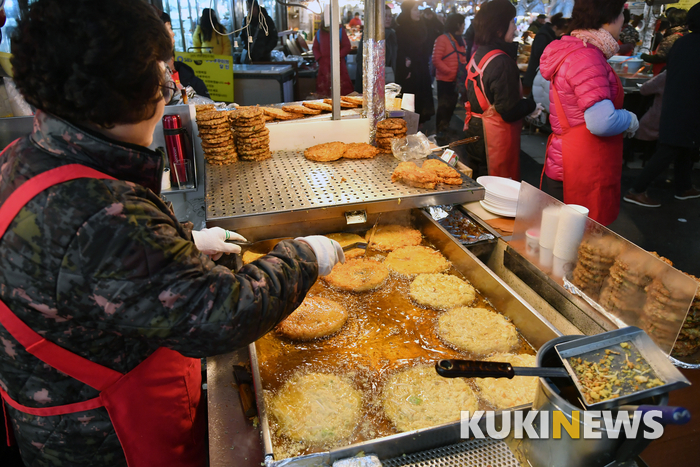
252, 136
217, 137
389, 130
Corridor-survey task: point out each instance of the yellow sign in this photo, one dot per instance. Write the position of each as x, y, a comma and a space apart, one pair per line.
215, 70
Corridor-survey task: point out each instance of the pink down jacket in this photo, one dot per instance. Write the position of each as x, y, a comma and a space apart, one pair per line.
584, 79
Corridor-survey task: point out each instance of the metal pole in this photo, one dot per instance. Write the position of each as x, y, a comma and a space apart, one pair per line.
373, 65
335, 58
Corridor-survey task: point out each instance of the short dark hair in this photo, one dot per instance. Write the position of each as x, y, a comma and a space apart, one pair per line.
453, 21
87, 61
540, 16
492, 21
677, 17
559, 21
165, 18
593, 14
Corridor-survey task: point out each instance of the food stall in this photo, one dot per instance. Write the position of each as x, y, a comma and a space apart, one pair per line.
289, 196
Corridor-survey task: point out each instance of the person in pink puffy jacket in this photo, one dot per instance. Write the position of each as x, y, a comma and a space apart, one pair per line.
584, 154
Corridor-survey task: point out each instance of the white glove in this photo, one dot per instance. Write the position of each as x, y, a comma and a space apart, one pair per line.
634, 126
538, 110
212, 241
328, 252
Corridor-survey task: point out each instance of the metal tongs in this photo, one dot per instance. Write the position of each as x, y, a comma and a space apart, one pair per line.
361, 245
460, 142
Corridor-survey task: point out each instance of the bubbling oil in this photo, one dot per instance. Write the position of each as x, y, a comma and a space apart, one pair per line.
385, 332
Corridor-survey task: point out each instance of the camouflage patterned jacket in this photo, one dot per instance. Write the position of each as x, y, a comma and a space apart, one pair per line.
105, 270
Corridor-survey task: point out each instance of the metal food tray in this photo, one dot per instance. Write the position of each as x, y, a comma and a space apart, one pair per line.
644, 346
288, 187
530, 323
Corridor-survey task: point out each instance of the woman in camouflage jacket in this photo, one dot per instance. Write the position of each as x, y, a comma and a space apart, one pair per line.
103, 268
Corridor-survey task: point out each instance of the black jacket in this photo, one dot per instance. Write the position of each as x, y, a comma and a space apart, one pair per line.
680, 117
502, 89
262, 44
544, 36
411, 39
188, 78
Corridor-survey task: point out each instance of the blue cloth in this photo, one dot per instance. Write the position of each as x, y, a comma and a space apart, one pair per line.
602, 119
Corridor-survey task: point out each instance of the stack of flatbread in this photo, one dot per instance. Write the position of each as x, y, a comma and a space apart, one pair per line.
252, 136
388, 130
217, 137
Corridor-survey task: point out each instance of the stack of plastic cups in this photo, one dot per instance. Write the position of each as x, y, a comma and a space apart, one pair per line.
570, 230
548, 233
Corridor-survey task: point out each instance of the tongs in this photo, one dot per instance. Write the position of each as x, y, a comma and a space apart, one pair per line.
361, 245
460, 142
483, 369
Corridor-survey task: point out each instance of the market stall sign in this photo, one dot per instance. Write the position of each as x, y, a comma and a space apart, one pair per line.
215, 70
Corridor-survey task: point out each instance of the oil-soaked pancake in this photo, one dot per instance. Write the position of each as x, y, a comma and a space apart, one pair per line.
357, 275
316, 317
390, 237
441, 291
420, 398
317, 408
504, 393
411, 260
477, 330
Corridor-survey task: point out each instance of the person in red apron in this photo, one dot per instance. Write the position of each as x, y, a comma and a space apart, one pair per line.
583, 162
495, 107
107, 302
678, 28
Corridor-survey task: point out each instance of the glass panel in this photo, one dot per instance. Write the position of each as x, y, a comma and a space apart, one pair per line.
621, 281
186, 14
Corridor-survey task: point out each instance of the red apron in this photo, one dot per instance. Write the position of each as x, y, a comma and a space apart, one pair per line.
502, 139
152, 407
592, 164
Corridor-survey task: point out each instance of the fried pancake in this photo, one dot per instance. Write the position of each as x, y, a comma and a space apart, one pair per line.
248, 112
318, 105
411, 260
343, 104
420, 398
504, 393
345, 239
391, 124
357, 100
392, 236
317, 408
444, 172
477, 330
300, 109
360, 151
357, 275
326, 152
441, 291
316, 317
410, 174
263, 132
204, 108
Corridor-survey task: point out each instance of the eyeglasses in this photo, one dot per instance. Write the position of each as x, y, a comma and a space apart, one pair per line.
168, 90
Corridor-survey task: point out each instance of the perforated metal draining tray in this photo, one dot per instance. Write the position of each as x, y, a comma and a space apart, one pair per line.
475, 453
273, 191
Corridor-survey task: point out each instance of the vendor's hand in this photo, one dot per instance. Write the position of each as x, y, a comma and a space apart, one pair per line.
328, 252
634, 126
408, 62
645, 57
212, 241
538, 110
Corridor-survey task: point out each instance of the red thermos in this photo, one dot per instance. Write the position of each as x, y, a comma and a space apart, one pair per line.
175, 146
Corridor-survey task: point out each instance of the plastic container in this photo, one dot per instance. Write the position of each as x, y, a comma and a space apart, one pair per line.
626, 65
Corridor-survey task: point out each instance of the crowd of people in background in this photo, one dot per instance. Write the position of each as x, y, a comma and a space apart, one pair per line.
568, 86
569, 78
